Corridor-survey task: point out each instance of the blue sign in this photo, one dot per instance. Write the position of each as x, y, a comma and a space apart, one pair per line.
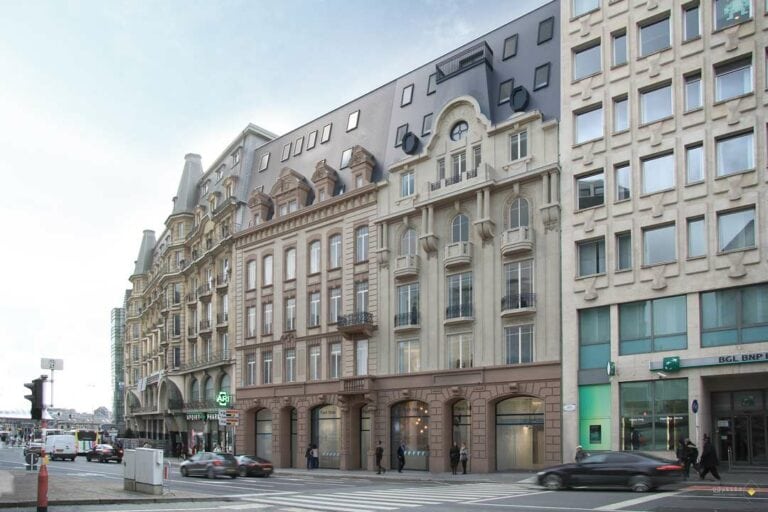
695, 406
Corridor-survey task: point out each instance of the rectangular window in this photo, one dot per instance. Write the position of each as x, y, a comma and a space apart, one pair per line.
623, 178
655, 104
458, 164
266, 367
693, 99
264, 162
426, 124
594, 338
587, 61
326, 136
541, 76
352, 120
432, 84
736, 230
732, 12
477, 157
407, 95
311, 139
460, 351
620, 114
361, 244
733, 79
658, 173
286, 152
361, 297
290, 365
619, 54
589, 125
694, 163
624, 251
691, 22
346, 156
408, 356
334, 366
735, 316
290, 314
590, 190
334, 305
407, 305
266, 278
314, 309
361, 357
250, 372
266, 315
518, 344
654, 37
697, 237
510, 47
252, 274
459, 295
251, 326
654, 414
176, 325
406, 184
735, 154
659, 245
653, 325
505, 90
518, 145
298, 146
546, 30
334, 249
591, 257
313, 369
518, 285
440, 168
584, 6
290, 264
314, 257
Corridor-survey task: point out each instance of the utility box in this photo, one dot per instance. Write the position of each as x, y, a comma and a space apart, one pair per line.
129, 470
149, 470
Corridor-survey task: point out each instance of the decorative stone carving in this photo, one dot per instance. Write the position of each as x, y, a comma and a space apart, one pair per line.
737, 269
654, 66
361, 165
735, 187
733, 112
732, 39
550, 216
590, 293
589, 221
658, 205
290, 185
659, 278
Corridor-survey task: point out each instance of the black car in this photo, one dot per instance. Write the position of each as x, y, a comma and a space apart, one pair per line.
250, 465
210, 464
104, 453
639, 471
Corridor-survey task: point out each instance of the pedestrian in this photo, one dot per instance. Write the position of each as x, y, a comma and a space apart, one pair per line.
315, 456
708, 460
454, 455
580, 454
464, 457
691, 454
401, 457
680, 451
635, 439
217, 448
308, 455
379, 456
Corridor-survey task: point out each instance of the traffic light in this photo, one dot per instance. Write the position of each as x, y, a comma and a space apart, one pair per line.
36, 386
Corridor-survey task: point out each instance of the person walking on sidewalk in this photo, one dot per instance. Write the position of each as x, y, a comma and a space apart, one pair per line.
401, 457
379, 456
315, 456
463, 457
691, 455
708, 460
454, 456
308, 456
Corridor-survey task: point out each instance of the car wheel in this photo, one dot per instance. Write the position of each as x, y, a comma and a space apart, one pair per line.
233, 476
102, 460
553, 482
210, 473
243, 471
119, 461
88, 458
184, 471
640, 483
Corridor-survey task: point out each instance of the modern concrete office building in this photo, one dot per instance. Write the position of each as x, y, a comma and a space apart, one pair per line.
117, 330
665, 292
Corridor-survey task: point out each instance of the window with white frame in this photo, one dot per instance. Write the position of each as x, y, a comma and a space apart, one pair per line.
518, 145
691, 22
251, 272
408, 356
580, 7
290, 264
346, 156
619, 53
518, 285
236, 156
334, 362
693, 99
694, 163
518, 213
731, 12
591, 257
510, 47
505, 90
266, 316
460, 351
459, 288
518, 341
408, 243
290, 314
314, 309
406, 184
286, 152
735, 153
266, 367
658, 173
426, 124
590, 190
440, 168
623, 181
654, 36
251, 327
334, 304
250, 369
326, 136
361, 244
290, 365
334, 251
477, 157
407, 305
361, 297
266, 268
407, 95
623, 251
460, 228
313, 368
361, 357
587, 60
733, 79
589, 124
311, 140
298, 146
659, 244
655, 104
352, 120
224, 344
458, 164
736, 230
697, 237
314, 257
264, 162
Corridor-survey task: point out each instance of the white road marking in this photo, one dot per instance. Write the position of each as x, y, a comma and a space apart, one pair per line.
636, 501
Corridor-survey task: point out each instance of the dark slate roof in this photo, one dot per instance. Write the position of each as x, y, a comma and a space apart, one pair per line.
144, 260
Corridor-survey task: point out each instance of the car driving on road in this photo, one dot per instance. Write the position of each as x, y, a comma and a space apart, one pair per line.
104, 453
250, 465
640, 472
210, 464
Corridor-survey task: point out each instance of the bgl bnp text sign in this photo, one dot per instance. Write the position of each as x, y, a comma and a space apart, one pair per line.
675, 363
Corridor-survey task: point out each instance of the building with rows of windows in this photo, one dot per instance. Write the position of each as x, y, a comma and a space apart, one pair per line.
665, 301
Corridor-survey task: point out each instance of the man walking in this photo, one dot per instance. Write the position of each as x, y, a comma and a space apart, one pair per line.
401, 457
453, 455
708, 461
379, 456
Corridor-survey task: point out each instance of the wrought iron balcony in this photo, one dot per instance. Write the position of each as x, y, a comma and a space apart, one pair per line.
201, 404
356, 325
213, 359
222, 318
518, 303
457, 254
191, 332
204, 290
222, 280
516, 241
405, 321
459, 311
407, 266
205, 326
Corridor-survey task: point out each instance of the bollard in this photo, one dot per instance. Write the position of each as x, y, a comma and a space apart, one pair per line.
42, 485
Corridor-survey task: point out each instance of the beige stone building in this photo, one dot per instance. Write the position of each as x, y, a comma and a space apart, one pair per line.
663, 153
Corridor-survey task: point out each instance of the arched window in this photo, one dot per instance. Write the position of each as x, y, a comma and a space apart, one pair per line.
460, 228
408, 243
314, 257
459, 130
225, 386
209, 389
518, 214
195, 390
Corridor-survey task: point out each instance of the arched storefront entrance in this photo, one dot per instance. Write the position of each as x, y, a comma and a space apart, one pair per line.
326, 434
366, 416
264, 434
519, 433
461, 419
410, 424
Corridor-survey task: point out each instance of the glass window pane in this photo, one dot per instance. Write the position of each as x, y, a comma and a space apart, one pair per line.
691, 23
659, 245
694, 164
586, 62
582, 6
654, 37
736, 230
624, 251
669, 316
719, 309
620, 115
623, 183
754, 300
693, 93
730, 83
731, 12
697, 244
589, 125
619, 49
658, 173
634, 320
594, 326
591, 257
656, 104
635, 398
735, 154
590, 190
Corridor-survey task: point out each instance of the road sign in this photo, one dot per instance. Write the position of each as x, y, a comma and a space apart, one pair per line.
695, 406
223, 399
51, 364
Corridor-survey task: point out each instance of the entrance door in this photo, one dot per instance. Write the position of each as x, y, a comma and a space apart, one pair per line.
749, 439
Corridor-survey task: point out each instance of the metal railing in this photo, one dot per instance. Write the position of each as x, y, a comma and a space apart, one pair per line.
459, 311
205, 360
518, 301
463, 61
403, 319
359, 318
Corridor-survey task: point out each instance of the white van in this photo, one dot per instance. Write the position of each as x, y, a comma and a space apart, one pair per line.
61, 446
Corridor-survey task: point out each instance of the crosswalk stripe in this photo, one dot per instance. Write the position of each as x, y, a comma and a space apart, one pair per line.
386, 499
294, 501
389, 496
333, 500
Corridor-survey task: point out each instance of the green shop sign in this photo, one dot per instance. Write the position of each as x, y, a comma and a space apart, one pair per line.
223, 399
675, 363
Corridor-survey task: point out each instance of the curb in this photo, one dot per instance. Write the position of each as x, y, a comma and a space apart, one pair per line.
117, 501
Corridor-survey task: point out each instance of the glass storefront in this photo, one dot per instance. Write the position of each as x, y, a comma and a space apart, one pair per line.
326, 434
365, 435
264, 434
741, 420
519, 433
654, 414
295, 463
410, 424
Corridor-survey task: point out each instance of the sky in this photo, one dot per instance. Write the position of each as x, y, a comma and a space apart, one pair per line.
101, 100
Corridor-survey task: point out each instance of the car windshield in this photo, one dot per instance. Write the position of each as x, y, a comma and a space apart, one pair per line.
227, 456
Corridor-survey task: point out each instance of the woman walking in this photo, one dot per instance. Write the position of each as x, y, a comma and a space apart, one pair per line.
463, 457
454, 456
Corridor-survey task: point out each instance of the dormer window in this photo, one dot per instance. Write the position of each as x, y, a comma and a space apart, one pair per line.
236, 156
219, 173
230, 190
204, 188
459, 130
264, 162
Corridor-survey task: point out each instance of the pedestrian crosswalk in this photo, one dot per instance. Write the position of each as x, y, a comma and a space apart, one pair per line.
395, 498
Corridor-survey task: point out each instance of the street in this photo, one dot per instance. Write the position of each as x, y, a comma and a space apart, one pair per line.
329, 491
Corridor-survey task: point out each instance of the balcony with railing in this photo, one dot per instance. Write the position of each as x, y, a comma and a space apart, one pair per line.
356, 385
222, 280
205, 326
191, 332
222, 319
206, 360
516, 241
459, 313
407, 321
518, 303
407, 266
192, 297
456, 64
457, 254
356, 325
205, 290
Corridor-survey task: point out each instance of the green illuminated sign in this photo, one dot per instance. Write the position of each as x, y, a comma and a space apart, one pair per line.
671, 364
223, 399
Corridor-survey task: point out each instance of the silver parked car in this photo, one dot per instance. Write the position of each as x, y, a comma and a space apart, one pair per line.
210, 464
